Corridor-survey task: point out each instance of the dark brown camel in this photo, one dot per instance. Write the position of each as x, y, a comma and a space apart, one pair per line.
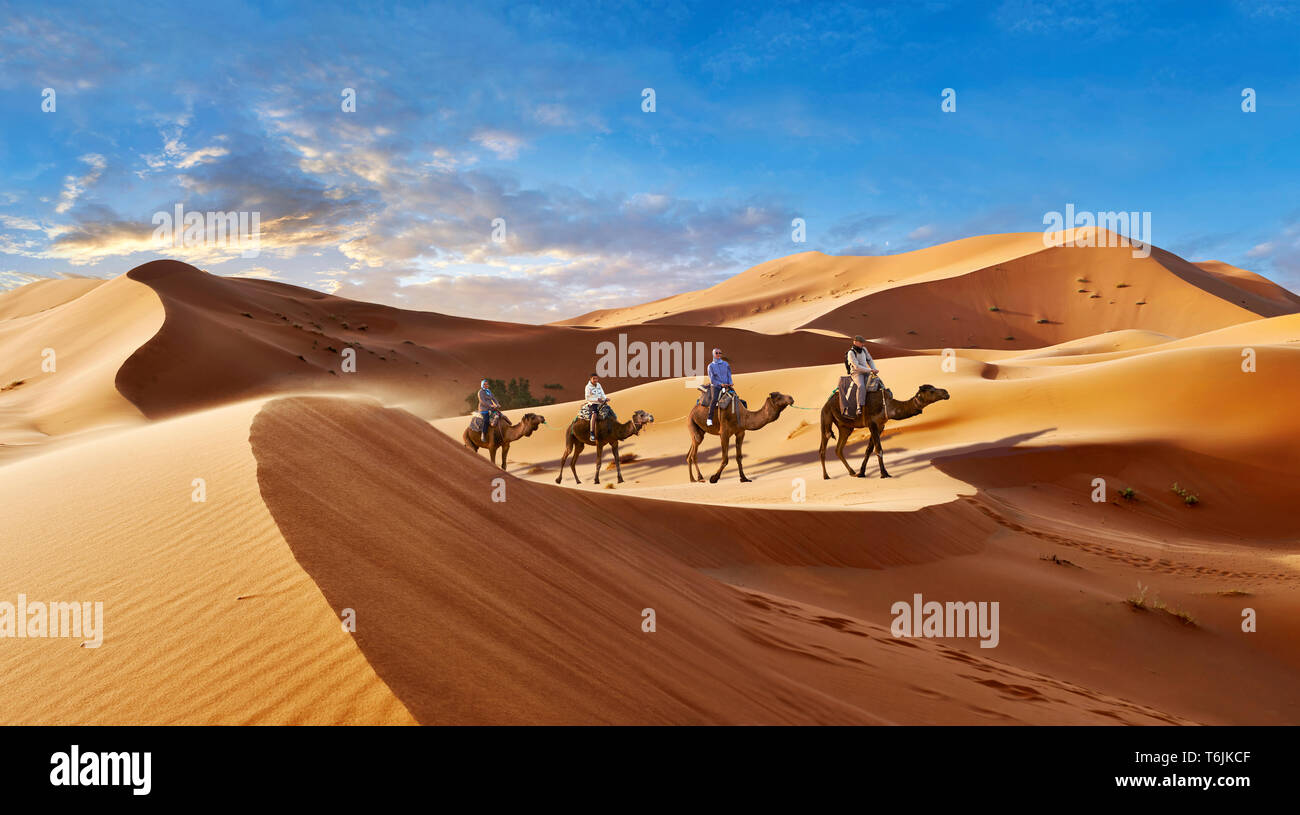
608, 431
733, 421
502, 434
881, 406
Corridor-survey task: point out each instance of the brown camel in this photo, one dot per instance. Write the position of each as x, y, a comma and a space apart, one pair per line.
881, 406
733, 421
608, 431
502, 434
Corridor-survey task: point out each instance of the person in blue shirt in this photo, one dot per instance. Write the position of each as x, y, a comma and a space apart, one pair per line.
719, 378
486, 404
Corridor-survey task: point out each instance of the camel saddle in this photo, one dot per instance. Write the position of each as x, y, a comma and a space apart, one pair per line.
848, 391
724, 398
606, 412
476, 422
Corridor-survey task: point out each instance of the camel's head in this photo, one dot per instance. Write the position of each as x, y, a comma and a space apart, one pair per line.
780, 400
641, 418
531, 422
929, 394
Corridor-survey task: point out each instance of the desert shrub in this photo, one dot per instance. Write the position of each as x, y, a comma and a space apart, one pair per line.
512, 395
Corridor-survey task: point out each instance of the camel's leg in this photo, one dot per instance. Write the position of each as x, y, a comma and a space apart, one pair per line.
573, 462
880, 449
568, 446
726, 440
505, 448
740, 438
839, 448
693, 454
871, 446
618, 465
600, 448
826, 435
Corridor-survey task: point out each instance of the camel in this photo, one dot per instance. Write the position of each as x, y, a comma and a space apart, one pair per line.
502, 434
879, 411
731, 422
608, 431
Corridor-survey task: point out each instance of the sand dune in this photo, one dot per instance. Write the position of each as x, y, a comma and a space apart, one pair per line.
329, 491
207, 616
1253, 283
476, 603
85, 334
1000, 291
44, 294
226, 339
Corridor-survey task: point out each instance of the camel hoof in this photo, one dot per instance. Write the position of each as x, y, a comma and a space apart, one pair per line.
826, 478
886, 475
744, 480
713, 479
558, 480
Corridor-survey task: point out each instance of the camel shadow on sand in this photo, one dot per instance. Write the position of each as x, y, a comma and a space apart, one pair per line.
896, 460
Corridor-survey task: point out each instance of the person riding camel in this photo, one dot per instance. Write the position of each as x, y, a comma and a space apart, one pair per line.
594, 397
719, 378
486, 404
859, 363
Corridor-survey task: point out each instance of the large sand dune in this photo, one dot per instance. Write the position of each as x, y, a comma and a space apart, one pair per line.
997, 291
332, 493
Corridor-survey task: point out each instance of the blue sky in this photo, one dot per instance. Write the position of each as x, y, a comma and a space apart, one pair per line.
533, 114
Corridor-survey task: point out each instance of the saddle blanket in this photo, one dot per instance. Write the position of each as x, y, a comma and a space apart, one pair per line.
606, 412
848, 391
476, 423
724, 398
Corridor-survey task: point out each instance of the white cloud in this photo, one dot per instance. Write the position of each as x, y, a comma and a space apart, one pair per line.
504, 145
75, 186
13, 222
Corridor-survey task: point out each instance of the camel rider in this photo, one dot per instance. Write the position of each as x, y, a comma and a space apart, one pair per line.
594, 396
486, 404
859, 364
719, 378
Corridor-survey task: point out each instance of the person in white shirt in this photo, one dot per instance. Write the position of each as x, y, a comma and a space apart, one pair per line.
859, 363
594, 396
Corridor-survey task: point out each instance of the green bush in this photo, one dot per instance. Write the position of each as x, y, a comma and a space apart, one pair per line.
512, 395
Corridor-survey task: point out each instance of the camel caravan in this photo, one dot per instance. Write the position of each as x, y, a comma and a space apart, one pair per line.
859, 402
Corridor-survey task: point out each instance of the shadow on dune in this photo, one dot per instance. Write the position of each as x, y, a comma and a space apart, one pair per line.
529, 609
1234, 498
709, 457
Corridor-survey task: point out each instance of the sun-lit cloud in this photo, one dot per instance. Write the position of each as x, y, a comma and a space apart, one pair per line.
504, 145
75, 186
